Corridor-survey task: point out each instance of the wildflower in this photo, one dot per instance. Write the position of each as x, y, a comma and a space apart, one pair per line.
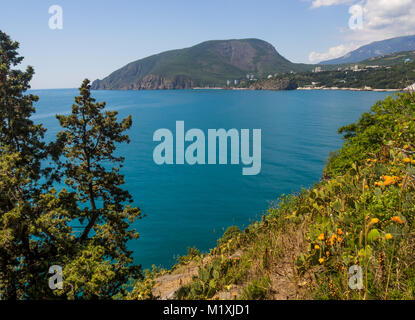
390, 180
321, 237
407, 160
388, 236
327, 253
374, 220
339, 232
332, 239
321, 260
397, 219
316, 247
406, 147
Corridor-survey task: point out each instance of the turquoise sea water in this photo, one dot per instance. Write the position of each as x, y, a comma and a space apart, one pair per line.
192, 205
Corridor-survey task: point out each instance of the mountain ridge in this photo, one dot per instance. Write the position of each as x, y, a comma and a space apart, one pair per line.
212, 62
375, 49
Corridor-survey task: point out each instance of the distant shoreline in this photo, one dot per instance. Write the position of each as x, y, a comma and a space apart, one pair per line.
305, 89
350, 89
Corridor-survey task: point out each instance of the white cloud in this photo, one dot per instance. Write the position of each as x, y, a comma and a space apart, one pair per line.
382, 19
333, 52
327, 3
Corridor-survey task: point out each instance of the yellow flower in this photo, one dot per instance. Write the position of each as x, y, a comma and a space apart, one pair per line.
406, 147
316, 247
407, 160
321, 260
388, 236
321, 237
375, 220
339, 232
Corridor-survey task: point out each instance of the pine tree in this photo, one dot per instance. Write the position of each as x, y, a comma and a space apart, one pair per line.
39, 227
33, 228
89, 141
17, 132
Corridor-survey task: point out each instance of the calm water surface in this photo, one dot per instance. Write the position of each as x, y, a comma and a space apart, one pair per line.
192, 205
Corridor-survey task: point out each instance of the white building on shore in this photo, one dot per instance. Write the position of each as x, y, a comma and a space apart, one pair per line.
410, 88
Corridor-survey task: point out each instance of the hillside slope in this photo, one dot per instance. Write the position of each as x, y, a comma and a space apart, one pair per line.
208, 63
377, 48
390, 59
361, 215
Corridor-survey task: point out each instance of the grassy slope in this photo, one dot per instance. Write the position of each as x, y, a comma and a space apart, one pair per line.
361, 213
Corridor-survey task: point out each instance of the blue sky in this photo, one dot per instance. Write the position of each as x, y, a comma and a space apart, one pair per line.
101, 36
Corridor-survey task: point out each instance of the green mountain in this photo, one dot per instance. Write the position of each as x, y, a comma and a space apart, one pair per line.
210, 63
390, 59
375, 49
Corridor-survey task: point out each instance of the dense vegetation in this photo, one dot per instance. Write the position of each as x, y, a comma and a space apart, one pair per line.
84, 227
360, 215
397, 76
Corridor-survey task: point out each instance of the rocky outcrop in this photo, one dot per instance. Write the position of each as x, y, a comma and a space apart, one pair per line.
151, 82
274, 84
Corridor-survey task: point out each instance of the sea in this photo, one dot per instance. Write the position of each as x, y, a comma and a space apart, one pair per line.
192, 205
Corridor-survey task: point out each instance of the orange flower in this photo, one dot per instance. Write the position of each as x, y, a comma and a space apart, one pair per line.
321, 237
397, 219
374, 220
388, 236
321, 260
339, 232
